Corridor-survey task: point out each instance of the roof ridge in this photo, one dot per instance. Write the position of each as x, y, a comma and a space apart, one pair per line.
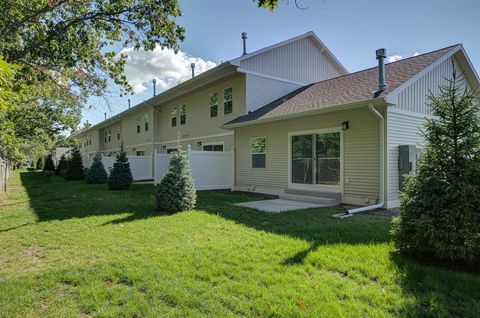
401, 60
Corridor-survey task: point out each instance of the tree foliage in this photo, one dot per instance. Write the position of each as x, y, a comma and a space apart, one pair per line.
49, 165
74, 169
120, 177
61, 166
96, 174
440, 207
176, 192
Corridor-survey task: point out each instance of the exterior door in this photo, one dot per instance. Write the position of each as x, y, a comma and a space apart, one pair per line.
316, 159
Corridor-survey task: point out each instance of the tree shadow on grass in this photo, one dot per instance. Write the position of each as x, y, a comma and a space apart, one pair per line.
316, 226
61, 200
438, 292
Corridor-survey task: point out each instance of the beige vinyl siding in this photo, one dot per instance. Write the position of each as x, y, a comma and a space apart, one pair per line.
301, 61
199, 126
143, 140
114, 144
227, 139
360, 153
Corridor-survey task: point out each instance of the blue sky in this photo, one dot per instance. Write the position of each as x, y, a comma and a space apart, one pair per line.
351, 29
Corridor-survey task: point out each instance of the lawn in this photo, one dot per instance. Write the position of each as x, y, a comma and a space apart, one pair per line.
77, 250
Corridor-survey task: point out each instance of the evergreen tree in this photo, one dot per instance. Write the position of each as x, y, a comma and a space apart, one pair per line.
39, 165
96, 174
74, 169
176, 192
61, 165
120, 175
440, 207
49, 165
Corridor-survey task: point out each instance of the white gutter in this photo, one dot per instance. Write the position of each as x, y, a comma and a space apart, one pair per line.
382, 170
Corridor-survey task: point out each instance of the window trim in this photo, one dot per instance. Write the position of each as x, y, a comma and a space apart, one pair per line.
118, 134
258, 153
222, 143
146, 121
139, 124
224, 113
211, 105
183, 117
173, 119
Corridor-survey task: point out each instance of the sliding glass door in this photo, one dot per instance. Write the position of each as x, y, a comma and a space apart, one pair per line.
315, 159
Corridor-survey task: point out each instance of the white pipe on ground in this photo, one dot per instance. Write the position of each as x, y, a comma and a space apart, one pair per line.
382, 167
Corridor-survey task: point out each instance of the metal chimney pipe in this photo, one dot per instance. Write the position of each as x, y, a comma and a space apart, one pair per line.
244, 38
105, 114
193, 69
154, 87
129, 103
381, 55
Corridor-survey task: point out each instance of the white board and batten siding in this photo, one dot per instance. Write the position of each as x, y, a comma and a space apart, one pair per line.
407, 117
263, 90
302, 61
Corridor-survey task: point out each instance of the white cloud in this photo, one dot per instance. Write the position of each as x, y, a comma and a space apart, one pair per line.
165, 66
396, 57
393, 58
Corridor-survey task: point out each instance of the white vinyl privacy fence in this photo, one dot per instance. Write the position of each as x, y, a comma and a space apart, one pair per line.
141, 166
210, 169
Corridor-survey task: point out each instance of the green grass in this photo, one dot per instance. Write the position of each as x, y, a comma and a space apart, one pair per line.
77, 250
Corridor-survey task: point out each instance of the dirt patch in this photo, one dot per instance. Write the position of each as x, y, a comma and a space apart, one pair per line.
261, 196
32, 252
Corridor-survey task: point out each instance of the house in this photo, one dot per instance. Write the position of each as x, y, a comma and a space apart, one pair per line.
301, 126
340, 138
193, 112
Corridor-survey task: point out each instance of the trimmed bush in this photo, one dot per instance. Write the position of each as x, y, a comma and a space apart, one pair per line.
96, 174
440, 207
39, 165
120, 175
74, 170
49, 165
177, 192
61, 165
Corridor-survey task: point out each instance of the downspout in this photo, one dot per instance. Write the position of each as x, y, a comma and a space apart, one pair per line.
153, 139
382, 168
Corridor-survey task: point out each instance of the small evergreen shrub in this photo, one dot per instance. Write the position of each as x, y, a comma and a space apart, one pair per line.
62, 165
96, 174
440, 206
120, 175
39, 165
176, 192
49, 165
74, 169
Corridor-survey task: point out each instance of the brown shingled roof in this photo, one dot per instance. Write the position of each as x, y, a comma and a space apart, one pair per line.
345, 89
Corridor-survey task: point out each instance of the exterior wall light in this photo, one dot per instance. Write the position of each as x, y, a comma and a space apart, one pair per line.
345, 125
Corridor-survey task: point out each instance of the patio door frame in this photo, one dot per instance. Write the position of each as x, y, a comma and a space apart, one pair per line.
314, 186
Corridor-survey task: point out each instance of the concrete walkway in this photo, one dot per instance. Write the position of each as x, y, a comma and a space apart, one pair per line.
279, 205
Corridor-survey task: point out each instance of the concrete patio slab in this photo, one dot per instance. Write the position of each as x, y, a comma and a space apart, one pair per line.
279, 205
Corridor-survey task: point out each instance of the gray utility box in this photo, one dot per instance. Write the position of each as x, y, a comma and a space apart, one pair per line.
407, 163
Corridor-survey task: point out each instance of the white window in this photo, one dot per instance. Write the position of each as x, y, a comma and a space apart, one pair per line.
146, 122
138, 124
118, 133
173, 116
228, 101
213, 105
183, 114
213, 147
140, 153
258, 146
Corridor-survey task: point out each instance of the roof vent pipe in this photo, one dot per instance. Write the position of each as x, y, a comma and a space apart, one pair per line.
154, 87
129, 103
105, 114
192, 65
381, 55
244, 38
